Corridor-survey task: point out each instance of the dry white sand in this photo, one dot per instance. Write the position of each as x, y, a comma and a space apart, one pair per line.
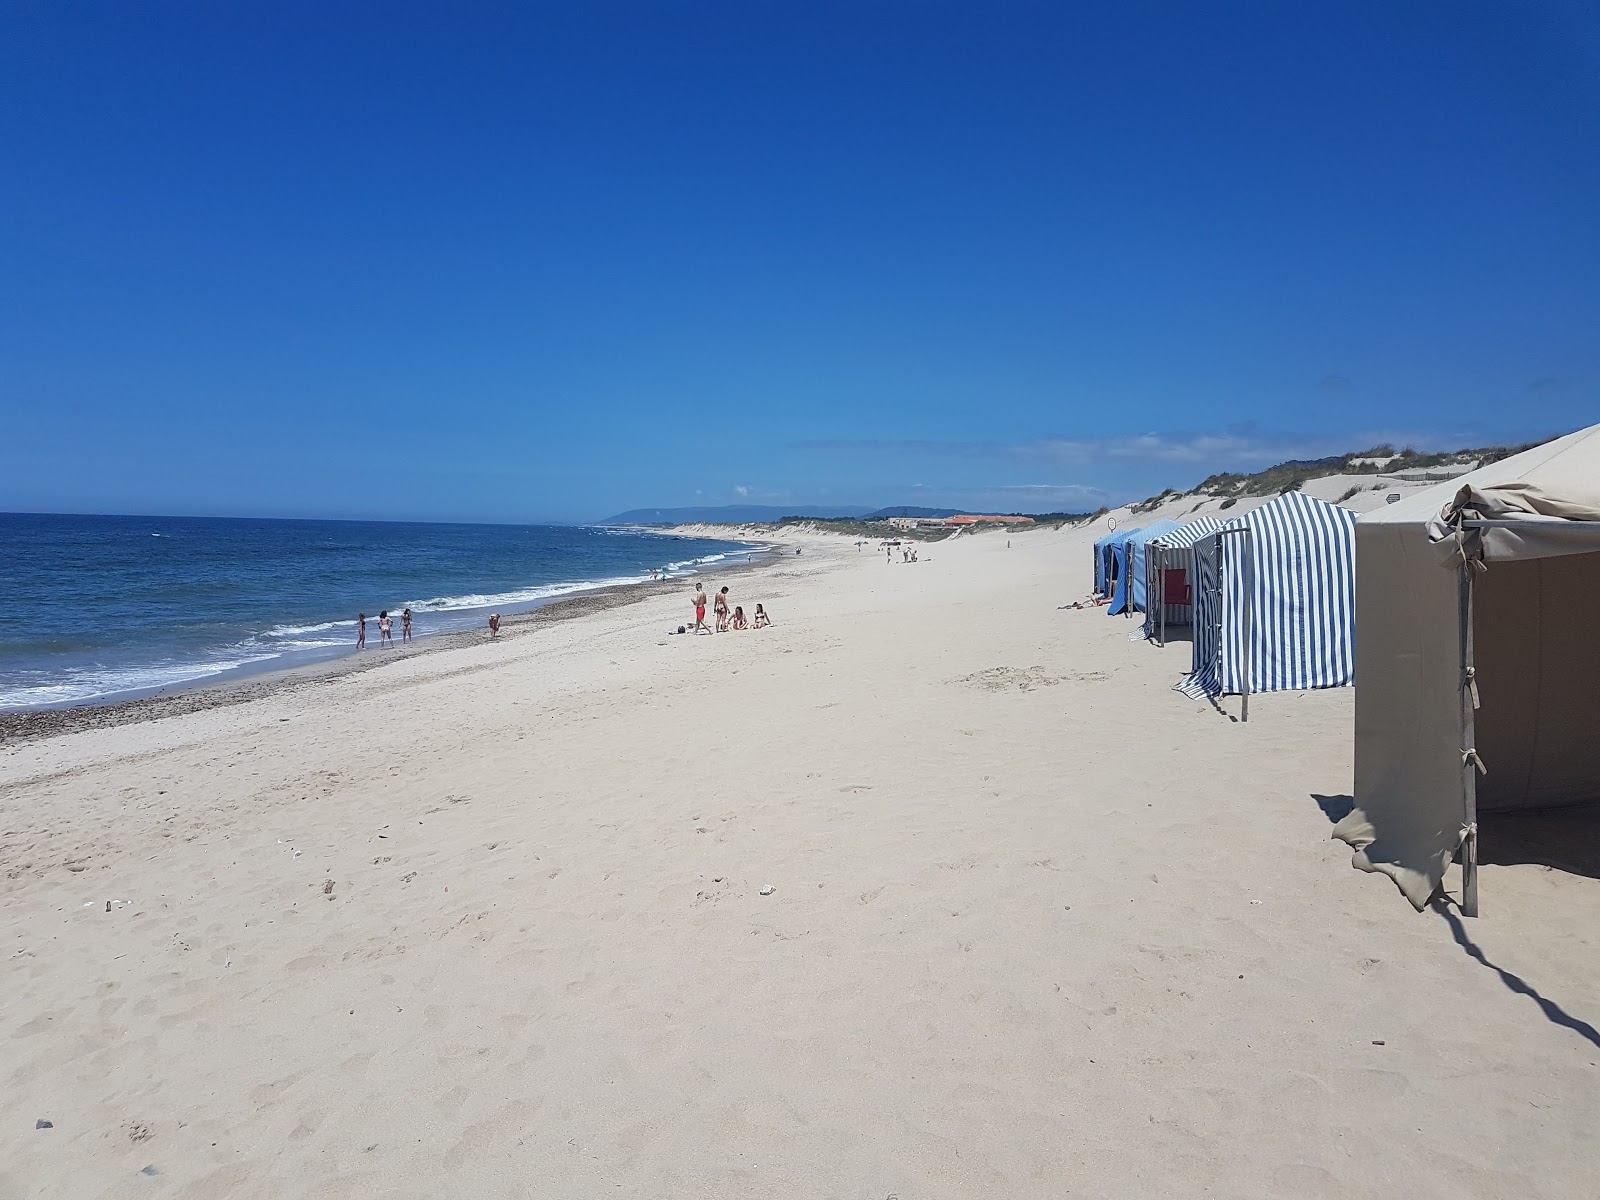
488, 922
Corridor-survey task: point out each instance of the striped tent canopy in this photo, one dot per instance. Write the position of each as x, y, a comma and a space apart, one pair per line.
1191, 532
1105, 554
1296, 559
1131, 556
1180, 539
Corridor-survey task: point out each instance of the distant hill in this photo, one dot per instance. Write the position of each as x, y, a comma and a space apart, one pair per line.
767, 514
1289, 476
883, 514
727, 514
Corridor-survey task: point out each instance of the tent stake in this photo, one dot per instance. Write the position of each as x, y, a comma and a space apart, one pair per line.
1469, 873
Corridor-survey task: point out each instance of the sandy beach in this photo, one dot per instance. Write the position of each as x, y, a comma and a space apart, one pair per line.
490, 921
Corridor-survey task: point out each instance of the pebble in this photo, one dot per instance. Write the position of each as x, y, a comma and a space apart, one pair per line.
41, 1123
768, 890
149, 1171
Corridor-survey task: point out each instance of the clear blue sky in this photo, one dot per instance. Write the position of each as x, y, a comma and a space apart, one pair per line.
550, 261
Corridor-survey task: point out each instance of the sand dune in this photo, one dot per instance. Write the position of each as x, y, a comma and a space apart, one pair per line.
488, 922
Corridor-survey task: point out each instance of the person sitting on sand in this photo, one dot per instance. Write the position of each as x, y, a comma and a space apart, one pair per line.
385, 625
738, 618
762, 620
494, 625
405, 626
722, 610
700, 609
361, 632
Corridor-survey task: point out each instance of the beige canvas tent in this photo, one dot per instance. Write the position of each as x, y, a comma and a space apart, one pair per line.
1477, 660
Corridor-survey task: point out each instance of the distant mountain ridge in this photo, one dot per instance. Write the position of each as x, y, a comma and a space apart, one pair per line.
764, 514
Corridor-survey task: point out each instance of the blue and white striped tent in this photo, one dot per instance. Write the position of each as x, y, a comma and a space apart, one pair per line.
1294, 561
1105, 555
1174, 550
1130, 557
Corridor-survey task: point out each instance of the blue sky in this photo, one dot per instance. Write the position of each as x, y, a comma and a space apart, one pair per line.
535, 262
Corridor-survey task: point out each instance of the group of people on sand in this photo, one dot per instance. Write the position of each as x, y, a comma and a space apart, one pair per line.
385, 629
727, 618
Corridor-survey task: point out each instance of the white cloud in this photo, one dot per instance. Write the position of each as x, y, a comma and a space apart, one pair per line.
739, 489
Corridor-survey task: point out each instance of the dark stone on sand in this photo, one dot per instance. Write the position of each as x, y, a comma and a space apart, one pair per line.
41, 1123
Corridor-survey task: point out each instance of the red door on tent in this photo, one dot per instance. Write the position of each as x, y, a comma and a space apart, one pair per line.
1177, 587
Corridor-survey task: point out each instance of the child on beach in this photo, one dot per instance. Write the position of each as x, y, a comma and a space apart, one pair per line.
762, 620
405, 626
385, 637
361, 632
738, 618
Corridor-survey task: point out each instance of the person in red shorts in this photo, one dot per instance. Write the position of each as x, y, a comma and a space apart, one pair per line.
700, 609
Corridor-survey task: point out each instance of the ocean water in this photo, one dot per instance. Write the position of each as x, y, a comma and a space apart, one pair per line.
95, 609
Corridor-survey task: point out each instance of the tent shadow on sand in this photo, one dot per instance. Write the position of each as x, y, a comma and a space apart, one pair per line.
1566, 839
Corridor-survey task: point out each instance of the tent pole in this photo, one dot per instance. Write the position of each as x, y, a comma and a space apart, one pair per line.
1161, 574
1249, 617
1221, 591
1470, 763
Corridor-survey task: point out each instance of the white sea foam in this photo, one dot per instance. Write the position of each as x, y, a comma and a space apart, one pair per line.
83, 684
521, 596
284, 631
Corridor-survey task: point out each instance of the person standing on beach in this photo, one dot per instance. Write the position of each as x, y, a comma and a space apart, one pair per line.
405, 626
721, 606
361, 632
700, 609
385, 626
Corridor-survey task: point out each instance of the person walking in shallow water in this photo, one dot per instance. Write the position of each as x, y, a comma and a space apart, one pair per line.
361, 632
385, 630
405, 626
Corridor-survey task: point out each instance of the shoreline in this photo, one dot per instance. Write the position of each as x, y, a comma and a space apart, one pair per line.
25, 725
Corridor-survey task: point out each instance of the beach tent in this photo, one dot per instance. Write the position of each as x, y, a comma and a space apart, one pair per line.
1130, 560
1106, 562
1169, 575
1274, 601
1117, 569
1479, 663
